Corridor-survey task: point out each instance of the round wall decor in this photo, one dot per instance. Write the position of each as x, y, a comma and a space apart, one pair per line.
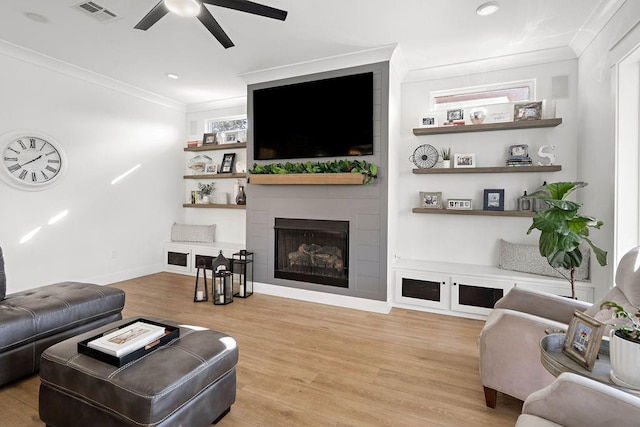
425, 156
31, 160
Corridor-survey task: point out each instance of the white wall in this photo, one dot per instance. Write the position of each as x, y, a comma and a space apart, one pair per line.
112, 232
473, 239
230, 223
597, 133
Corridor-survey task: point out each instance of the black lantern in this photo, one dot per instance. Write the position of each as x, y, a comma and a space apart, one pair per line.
201, 295
242, 265
222, 288
222, 291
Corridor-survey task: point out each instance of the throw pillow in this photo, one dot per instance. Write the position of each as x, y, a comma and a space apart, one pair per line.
193, 233
3, 278
527, 259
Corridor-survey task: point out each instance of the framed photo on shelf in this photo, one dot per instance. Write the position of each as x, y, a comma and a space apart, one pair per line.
493, 200
459, 204
427, 122
582, 340
231, 138
464, 161
432, 200
209, 138
527, 111
212, 168
227, 162
519, 151
455, 115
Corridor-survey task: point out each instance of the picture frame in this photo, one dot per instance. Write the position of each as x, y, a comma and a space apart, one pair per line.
228, 160
527, 111
582, 340
493, 200
431, 200
428, 122
231, 137
519, 151
455, 115
209, 138
465, 160
460, 204
212, 169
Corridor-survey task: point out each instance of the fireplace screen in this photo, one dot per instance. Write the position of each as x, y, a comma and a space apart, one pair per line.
315, 251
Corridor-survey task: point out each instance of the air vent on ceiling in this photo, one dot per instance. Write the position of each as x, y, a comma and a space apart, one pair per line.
96, 11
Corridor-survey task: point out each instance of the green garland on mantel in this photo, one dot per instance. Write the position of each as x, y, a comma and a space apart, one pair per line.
369, 170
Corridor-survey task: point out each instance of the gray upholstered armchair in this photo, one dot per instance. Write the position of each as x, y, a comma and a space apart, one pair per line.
575, 401
509, 341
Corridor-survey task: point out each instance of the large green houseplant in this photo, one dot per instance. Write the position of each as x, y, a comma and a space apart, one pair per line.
563, 229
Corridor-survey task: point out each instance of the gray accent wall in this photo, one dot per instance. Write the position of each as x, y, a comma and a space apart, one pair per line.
364, 206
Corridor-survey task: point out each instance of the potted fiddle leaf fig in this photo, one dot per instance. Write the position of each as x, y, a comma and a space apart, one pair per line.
624, 345
563, 229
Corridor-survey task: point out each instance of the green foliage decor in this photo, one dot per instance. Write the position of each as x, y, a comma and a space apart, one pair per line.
205, 189
369, 170
630, 329
562, 229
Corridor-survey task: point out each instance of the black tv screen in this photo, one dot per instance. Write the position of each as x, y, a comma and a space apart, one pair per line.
323, 118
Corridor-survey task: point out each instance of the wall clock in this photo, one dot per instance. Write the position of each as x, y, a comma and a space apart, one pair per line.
31, 160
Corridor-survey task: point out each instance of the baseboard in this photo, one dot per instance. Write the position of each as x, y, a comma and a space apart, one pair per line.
120, 276
363, 304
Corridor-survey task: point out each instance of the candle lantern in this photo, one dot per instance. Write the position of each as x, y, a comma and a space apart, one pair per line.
201, 295
242, 266
222, 291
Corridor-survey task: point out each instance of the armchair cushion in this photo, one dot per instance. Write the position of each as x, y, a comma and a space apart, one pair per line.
3, 278
541, 304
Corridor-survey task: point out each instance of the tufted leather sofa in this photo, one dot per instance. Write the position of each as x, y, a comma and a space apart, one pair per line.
32, 320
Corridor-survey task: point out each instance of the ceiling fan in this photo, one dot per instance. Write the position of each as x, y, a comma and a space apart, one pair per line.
191, 8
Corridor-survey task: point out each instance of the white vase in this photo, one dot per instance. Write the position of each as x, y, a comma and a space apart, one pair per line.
446, 163
625, 361
205, 199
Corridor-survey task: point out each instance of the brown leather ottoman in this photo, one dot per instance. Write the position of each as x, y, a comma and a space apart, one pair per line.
191, 381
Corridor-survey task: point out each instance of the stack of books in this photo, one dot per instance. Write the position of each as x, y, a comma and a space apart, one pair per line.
519, 161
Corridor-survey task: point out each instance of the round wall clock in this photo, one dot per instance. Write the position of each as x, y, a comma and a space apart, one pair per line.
31, 160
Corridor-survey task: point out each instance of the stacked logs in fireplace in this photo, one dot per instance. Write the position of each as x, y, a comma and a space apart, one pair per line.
312, 256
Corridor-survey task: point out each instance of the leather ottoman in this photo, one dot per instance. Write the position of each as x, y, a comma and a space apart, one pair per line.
191, 381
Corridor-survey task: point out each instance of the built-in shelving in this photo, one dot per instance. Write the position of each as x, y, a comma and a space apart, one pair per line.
307, 179
216, 176
212, 206
497, 169
525, 124
521, 214
210, 147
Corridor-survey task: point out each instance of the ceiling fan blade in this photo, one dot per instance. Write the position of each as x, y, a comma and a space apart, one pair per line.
214, 28
152, 17
250, 7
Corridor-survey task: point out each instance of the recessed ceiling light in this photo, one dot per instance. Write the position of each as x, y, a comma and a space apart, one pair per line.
173, 76
36, 17
488, 8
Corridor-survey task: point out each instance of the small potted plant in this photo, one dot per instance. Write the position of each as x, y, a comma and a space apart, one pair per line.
446, 157
205, 190
624, 345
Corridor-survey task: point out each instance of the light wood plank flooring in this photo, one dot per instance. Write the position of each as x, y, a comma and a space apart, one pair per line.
306, 364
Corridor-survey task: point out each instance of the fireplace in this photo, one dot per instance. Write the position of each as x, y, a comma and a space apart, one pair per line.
311, 250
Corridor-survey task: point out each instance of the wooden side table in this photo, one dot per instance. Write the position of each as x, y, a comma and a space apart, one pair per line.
556, 362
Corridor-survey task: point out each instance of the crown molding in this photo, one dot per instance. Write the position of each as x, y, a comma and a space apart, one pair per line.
220, 104
36, 58
594, 24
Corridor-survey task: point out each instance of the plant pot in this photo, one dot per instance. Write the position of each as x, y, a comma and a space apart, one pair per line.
205, 199
625, 360
446, 163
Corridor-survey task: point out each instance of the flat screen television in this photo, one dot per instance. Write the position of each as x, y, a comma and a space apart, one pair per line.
322, 118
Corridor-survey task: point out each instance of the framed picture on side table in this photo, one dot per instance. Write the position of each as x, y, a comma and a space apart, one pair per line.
582, 340
227, 162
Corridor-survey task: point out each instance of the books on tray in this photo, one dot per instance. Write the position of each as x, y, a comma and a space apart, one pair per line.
125, 340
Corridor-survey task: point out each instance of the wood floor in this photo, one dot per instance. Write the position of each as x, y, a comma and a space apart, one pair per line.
306, 364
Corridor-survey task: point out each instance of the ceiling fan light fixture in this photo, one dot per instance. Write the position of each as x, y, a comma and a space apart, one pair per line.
488, 8
186, 8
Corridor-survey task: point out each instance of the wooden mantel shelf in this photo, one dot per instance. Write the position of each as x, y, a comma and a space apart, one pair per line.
526, 124
521, 214
307, 179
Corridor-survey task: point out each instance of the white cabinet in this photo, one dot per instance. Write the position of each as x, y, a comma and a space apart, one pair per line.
477, 295
184, 257
423, 288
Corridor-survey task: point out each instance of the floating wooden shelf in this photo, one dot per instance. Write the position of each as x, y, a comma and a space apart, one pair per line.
526, 124
497, 169
216, 176
307, 179
521, 214
213, 206
209, 147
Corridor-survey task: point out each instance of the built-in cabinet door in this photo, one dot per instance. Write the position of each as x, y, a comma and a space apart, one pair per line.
477, 295
423, 288
177, 260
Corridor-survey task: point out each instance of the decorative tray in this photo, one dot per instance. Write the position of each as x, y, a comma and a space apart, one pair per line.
170, 333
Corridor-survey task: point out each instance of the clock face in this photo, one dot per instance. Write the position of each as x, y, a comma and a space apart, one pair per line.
31, 161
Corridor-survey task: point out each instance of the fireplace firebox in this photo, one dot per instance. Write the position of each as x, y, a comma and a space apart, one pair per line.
311, 250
